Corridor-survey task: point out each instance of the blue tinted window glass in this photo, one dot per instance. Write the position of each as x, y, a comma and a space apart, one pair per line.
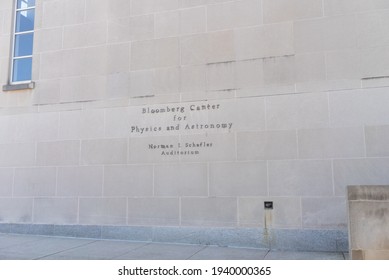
22, 69
23, 44
25, 20
23, 4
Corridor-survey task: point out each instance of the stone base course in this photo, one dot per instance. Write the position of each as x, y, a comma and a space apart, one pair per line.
274, 239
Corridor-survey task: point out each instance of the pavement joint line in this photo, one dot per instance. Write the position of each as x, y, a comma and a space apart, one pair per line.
201, 249
68, 249
267, 253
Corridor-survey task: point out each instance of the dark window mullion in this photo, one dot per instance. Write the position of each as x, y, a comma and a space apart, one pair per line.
24, 32
25, 9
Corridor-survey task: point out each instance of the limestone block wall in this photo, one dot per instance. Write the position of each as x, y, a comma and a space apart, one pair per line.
301, 85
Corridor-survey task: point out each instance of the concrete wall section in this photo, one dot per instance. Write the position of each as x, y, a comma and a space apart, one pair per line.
188, 114
368, 224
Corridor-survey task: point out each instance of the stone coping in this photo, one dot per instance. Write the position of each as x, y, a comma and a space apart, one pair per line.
366, 192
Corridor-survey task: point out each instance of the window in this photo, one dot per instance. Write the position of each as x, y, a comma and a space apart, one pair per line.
23, 38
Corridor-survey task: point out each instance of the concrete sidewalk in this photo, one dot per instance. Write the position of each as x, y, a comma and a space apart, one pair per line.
30, 247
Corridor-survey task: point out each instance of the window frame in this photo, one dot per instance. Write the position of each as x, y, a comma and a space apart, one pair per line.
13, 44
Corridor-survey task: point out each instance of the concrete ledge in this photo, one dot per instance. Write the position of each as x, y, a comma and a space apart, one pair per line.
29, 85
278, 239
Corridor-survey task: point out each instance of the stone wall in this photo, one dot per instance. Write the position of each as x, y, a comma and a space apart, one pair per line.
301, 87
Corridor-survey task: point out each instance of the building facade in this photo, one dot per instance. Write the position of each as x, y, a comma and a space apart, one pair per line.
176, 120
